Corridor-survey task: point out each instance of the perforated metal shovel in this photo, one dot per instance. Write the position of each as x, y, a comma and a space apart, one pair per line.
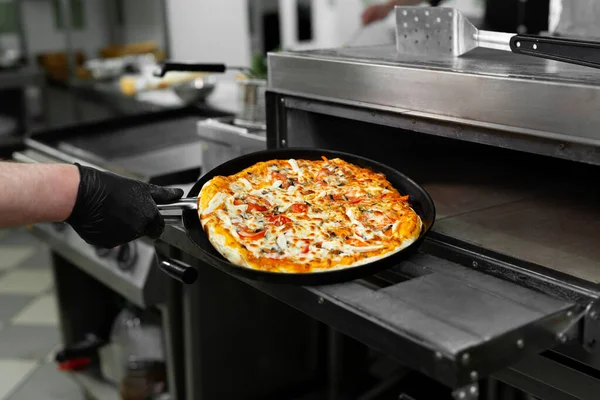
445, 31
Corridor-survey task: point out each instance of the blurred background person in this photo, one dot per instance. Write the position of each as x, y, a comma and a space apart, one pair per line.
530, 16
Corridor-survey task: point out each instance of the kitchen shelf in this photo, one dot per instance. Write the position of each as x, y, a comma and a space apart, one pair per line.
94, 387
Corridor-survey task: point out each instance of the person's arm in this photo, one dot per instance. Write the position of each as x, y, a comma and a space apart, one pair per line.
31, 193
378, 12
104, 209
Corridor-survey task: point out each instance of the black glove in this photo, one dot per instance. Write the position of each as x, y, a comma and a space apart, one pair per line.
111, 210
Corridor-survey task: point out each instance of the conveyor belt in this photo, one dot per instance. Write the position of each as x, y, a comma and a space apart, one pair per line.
447, 320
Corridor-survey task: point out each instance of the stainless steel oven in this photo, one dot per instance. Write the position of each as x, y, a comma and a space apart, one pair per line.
508, 148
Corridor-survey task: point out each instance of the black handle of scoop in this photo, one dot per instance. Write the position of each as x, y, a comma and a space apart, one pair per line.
571, 51
179, 271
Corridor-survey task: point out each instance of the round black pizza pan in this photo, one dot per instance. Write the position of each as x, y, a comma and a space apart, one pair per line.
420, 201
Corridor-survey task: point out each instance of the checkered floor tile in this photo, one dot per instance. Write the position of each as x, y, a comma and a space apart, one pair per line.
12, 256
28, 322
40, 312
26, 282
14, 373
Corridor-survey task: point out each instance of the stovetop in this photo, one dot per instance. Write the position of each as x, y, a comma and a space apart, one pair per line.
157, 150
135, 140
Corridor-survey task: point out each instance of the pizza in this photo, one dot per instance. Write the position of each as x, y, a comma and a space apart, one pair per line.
298, 216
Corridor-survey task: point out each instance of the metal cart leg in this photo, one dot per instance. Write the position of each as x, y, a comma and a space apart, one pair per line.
172, 326
333, 367
491, 389
347, 365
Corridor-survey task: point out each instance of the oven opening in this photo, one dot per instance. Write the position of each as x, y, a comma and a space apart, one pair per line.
538, 209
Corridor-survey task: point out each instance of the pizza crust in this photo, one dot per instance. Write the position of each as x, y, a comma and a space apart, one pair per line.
219, 242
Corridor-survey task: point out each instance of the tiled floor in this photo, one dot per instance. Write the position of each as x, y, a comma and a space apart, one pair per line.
28, 323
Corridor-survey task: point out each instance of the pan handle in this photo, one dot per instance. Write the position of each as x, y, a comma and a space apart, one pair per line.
581, 52
179, 271
187, 203
168, 66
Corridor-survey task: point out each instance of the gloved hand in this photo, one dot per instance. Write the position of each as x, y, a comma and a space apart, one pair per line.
111, 210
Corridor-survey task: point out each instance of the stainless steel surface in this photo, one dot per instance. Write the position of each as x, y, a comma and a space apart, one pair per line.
223, 140
140, 281
189, 203
141, 151
132, 140
492, 40
501, 93
223, 131
196, 90
442, 31
169, 160
31, 156
39, 152
252, 98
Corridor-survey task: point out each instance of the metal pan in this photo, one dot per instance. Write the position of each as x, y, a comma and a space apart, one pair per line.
419, 198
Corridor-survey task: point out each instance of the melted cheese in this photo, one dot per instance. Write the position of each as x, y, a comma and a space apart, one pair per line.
215, 202
295, 167
282, 242
246, 183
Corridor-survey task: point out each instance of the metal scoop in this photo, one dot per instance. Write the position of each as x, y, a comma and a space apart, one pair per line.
445, 31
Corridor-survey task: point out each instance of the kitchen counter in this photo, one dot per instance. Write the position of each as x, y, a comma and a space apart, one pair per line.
19, 77
15, 114
223, 98
85, 102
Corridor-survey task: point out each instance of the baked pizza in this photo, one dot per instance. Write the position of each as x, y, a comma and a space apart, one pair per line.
299, 216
